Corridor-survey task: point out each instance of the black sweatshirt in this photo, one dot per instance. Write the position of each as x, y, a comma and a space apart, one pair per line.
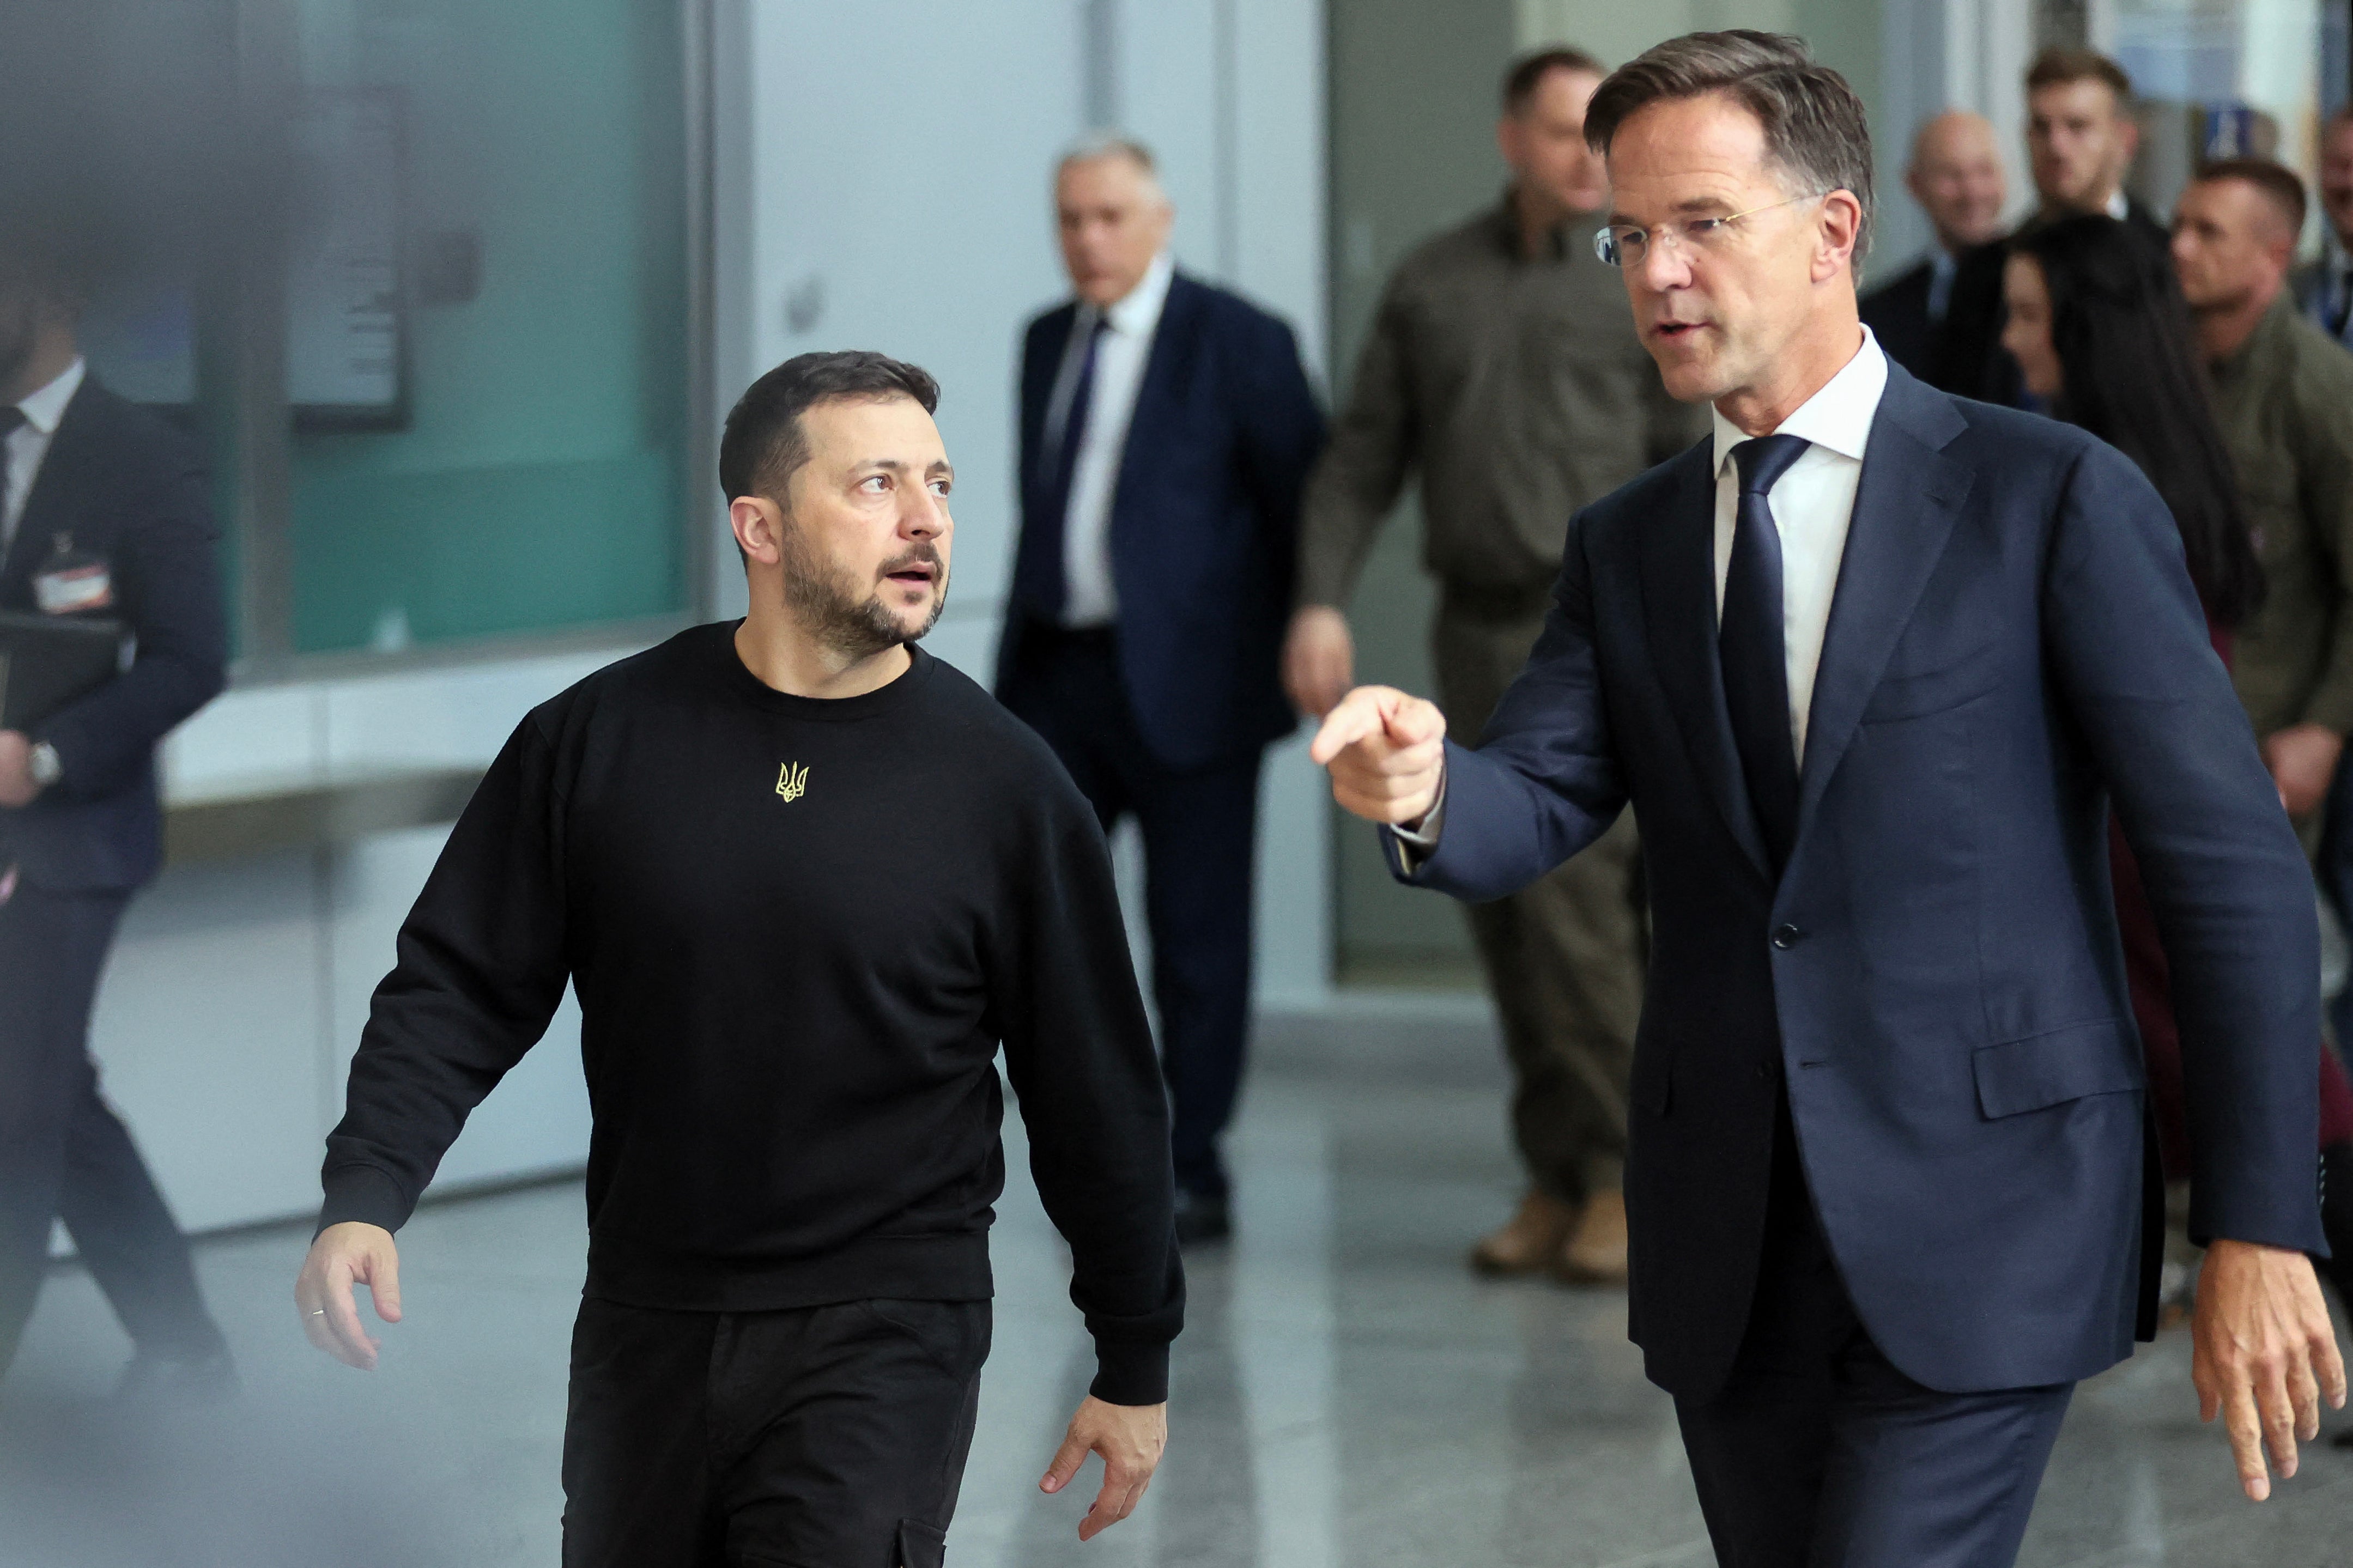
799, 931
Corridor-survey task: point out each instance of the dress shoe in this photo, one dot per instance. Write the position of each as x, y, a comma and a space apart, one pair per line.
1202, 1218
180, 1382
1594, 1252
1529, 1241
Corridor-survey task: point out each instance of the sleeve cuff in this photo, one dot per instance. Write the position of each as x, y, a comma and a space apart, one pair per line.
1417, 845
1130, 1374
365, 1195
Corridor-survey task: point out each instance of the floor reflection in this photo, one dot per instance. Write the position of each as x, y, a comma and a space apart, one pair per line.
1347, 1395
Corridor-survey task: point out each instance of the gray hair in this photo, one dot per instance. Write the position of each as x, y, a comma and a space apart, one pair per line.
1099, 144
1816, 131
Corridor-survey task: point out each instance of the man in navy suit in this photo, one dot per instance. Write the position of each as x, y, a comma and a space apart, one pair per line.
105, 516
1872, 664
1167, 432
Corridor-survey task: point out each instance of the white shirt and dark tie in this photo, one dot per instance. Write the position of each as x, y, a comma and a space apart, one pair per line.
34, 425
1812, 506
1120, 337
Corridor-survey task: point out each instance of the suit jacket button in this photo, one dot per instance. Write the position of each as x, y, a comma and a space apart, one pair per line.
1786, 936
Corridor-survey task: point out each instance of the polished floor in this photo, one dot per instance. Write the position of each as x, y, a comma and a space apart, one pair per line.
1346, 1397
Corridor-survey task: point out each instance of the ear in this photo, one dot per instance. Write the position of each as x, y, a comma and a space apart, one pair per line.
2128, 133
1506, 142
1839, 223
759, 525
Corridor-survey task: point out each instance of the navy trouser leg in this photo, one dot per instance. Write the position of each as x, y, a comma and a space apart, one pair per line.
64, 1154
1199, 843
1200, 829
1817, 1453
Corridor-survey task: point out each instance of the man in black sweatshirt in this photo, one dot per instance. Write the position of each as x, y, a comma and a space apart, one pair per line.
806, 880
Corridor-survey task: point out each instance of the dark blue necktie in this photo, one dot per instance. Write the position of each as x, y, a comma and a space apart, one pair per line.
1750, 643
1038, 579
2340, 307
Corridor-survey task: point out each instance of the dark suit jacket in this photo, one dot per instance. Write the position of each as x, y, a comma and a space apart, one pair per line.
131, 489
1205, 520
1935, 977
1897, 314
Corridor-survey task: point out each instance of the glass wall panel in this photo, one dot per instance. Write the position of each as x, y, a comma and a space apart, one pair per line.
488, 319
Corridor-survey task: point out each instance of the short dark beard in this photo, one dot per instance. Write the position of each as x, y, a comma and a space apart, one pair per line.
827, 601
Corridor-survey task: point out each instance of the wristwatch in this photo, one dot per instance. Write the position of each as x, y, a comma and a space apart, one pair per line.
43, 764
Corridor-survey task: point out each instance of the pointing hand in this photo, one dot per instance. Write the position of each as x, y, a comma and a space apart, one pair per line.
1386, 752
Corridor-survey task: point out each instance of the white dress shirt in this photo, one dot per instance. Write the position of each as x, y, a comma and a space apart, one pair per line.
1813, 508
29, 443
1088, 598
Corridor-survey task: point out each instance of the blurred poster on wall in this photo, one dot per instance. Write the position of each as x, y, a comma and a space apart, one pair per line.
345, 348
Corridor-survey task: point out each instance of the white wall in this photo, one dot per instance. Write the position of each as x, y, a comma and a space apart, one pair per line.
917, 221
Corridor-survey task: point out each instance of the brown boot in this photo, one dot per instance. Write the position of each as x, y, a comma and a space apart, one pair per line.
1530, 1241
1594, 1252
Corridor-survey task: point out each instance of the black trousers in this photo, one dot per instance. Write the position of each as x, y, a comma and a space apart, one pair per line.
1200, 838
1819, 1453
818, 1437
64, 1154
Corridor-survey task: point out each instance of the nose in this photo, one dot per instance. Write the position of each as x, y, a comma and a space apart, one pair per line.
926, 517
1664, 265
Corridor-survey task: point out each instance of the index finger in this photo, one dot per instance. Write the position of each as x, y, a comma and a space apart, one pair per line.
1358, 718
1115, 1502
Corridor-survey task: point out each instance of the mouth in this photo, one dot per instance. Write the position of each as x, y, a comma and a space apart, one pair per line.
918, 575
1676, 332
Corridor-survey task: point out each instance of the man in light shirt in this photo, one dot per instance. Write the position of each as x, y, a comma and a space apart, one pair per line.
1873, 666
1167, 432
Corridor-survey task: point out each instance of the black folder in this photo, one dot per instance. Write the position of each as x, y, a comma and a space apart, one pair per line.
49, 661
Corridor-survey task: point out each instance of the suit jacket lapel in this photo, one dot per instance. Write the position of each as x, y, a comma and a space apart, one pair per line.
1905, 510
1158, 389
1678, 611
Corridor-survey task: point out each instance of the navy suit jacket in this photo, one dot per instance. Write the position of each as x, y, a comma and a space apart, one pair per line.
2013, 649
130, 489
1204, 523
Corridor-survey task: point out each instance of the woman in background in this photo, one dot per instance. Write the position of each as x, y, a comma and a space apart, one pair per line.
2098, 326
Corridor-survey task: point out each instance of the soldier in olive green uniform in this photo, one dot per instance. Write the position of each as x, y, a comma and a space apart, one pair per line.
2283, 393
1504, 372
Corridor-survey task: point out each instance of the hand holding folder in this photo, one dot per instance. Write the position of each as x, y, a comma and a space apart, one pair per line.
48, 662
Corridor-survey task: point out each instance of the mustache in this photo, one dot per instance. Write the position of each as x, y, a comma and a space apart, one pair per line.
923, 554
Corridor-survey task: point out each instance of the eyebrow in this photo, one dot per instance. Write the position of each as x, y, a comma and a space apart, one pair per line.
899, 466
1696, 207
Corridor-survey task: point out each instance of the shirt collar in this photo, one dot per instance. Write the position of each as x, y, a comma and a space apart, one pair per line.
1838, 417
1136, 313
46, 407
2119, 206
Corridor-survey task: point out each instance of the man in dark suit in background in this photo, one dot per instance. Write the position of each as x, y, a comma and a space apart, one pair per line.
1872, 665
1167, 432
106, 516
2324, 288
2081, 138
1955, 176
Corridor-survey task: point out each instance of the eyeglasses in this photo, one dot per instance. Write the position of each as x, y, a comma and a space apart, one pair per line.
1624, 244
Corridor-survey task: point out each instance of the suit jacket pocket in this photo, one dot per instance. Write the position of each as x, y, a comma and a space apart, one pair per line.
1903, 694
2057, 1065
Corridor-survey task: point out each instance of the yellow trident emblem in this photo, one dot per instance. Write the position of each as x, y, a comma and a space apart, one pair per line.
791, 783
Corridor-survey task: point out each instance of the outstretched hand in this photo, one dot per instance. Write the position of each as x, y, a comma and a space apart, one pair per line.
2264, 1355
1130, 1438
344, 1254
1386, 752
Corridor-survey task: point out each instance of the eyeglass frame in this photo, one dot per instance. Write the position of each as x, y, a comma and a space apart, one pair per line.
1605, 241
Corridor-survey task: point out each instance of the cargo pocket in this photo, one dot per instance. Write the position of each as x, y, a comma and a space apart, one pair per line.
2054, 1068
921, 1546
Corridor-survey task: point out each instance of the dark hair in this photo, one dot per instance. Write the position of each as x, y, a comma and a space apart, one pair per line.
1527, 73
1816, 130
2058, 67
764, 442
2273, 180
2127, 355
